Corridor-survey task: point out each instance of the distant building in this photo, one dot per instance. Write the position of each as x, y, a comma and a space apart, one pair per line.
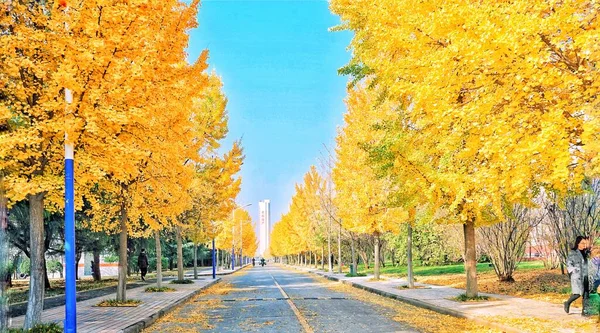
264, 216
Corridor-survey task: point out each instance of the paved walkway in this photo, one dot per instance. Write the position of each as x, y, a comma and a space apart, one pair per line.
19, 309
506, 312
94, 319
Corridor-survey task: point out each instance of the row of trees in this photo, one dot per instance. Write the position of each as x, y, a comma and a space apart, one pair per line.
113, 79
100, 243
464, 113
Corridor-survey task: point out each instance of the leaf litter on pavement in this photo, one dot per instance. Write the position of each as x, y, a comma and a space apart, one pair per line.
193, 316
196, 316
421, 319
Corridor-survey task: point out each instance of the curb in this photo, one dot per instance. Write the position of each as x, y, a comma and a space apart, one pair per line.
414, 302
146, 322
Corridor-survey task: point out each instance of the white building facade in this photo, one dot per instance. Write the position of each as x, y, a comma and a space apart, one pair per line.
264, 216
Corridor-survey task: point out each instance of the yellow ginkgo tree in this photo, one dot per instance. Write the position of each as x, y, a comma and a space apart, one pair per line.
494, 99
362, 197
32, 123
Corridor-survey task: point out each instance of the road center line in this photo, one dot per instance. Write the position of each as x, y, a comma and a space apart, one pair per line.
299, 315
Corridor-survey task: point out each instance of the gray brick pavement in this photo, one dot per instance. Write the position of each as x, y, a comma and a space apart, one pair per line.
93, 319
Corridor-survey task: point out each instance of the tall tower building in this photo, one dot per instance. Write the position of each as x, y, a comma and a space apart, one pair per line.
264, 215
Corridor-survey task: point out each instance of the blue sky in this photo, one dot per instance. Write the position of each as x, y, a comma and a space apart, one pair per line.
279, 67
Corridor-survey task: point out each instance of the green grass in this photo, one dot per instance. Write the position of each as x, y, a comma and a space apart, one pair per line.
442, 270
19, 293
464, 298
115, 303
355, 275
159, 290
184, 281
40, 328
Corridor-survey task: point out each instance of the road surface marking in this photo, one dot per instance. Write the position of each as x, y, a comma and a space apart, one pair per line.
300, 317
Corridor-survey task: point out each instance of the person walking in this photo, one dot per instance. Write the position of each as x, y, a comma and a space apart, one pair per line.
143, 264
253, 262
577, 267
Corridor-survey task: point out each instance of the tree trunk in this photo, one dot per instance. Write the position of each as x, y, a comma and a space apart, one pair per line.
3, 298
78, 254
4, 271
409, 258
158, 259
377, 258
340, 249
393, 254
329, 247
195, 261
365, 258
315, 257
354, 263
218, 259
130, 249
4, 278
179, 254
96, 266
46, 279
323, 257
470, 258
123, 260
35, 303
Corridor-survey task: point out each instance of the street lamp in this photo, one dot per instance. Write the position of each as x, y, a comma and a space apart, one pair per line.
232, 237
70, 322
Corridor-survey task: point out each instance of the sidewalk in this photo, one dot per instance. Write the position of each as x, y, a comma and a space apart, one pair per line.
93, 319
19, 309
508, 313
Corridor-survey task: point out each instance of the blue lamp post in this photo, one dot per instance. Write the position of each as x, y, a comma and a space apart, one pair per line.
70, 324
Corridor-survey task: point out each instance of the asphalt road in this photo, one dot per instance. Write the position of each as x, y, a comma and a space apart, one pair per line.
274, 299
